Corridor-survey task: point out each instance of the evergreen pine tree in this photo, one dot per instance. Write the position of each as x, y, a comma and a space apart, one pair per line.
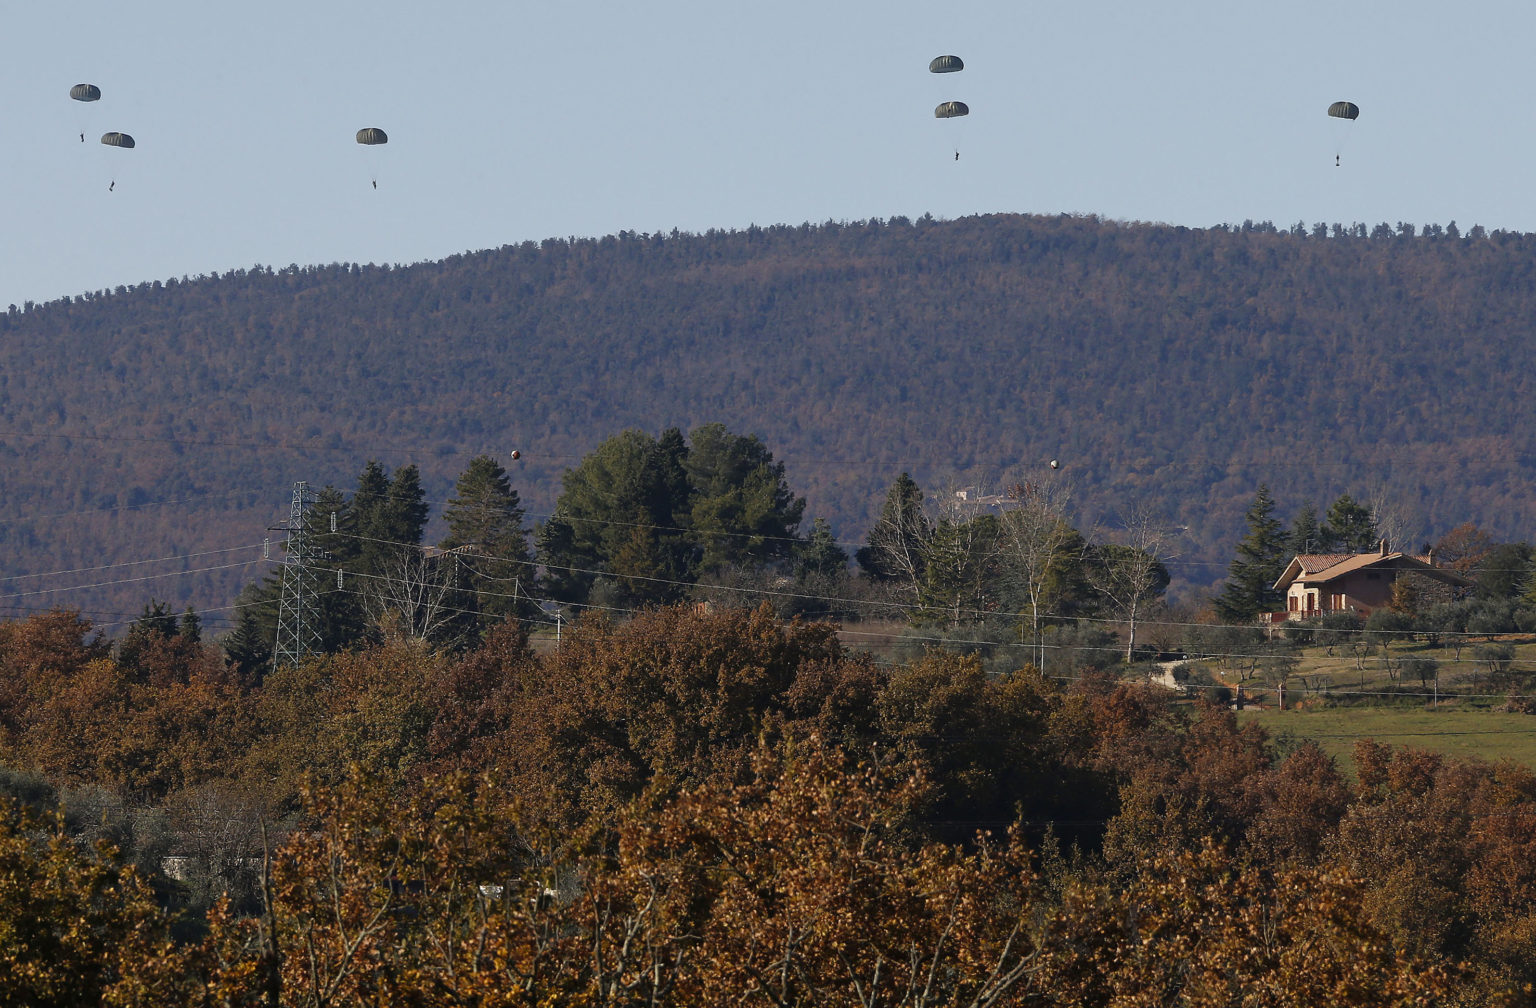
672, 467
403, 518
620, 502
191, 627
743, 513
1306, 535
820, 555
485, 521
367, 515
1350, 526
248, 647
1260, 560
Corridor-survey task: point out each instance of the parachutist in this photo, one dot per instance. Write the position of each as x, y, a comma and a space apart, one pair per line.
82, 138
375, 183
1336, 160
112, 185
957, 155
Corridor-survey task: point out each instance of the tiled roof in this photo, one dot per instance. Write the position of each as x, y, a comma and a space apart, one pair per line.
1312, 563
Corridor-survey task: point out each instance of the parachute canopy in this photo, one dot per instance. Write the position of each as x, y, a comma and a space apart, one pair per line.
1344, 110
117, 140
372, 135
85, 92
951, 109
946, 64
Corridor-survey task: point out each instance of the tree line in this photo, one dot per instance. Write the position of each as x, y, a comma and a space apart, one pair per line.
710, 517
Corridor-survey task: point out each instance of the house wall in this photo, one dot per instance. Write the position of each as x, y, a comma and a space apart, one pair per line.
1367, 589
1362, 591
1302, 601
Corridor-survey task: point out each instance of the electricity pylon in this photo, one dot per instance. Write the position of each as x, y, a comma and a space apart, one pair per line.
298, 614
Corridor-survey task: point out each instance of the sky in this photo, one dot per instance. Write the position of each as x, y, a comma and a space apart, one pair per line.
512, 121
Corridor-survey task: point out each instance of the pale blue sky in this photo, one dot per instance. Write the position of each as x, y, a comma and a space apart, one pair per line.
516, 121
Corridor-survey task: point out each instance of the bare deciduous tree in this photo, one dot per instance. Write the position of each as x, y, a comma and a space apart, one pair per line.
1392, 523
1131, 574
412, 596
1037, 540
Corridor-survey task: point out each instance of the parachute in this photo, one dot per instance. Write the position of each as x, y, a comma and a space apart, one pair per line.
951, 110
84, 115
372, 136
1349, 112
946, 64
115, 139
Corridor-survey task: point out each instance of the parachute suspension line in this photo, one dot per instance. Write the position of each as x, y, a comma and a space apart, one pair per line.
84, 94
1348, 112
120, 140
372, 136
952, 110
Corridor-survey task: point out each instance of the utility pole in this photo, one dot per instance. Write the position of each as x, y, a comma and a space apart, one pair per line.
298, 616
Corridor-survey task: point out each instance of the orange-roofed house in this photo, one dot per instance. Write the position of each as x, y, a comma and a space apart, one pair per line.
1316, 584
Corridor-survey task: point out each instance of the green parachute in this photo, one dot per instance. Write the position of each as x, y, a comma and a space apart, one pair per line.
372, 136
84, 115
946, 64
116, 139
952, 110
1348, 112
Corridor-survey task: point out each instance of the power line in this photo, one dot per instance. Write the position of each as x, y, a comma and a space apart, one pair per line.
127, 563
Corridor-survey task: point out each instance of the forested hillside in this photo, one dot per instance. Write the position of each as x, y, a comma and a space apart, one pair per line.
1167, 368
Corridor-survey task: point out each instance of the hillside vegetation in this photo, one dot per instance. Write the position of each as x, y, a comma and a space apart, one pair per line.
660, 810
1167, 368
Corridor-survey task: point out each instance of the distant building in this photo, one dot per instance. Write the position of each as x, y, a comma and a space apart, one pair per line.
1316, 584
973, 495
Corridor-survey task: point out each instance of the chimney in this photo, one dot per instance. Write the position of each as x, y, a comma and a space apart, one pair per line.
1383, 547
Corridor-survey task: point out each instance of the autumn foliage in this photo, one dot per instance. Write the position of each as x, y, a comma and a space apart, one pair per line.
698, 808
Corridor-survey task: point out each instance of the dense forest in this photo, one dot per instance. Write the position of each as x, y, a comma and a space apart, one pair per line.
693, 808
1170, 371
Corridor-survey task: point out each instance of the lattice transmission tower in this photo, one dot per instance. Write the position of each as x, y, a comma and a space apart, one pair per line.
298, 614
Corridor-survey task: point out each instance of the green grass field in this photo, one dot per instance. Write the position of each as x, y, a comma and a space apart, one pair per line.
1480, 734
1346, 694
